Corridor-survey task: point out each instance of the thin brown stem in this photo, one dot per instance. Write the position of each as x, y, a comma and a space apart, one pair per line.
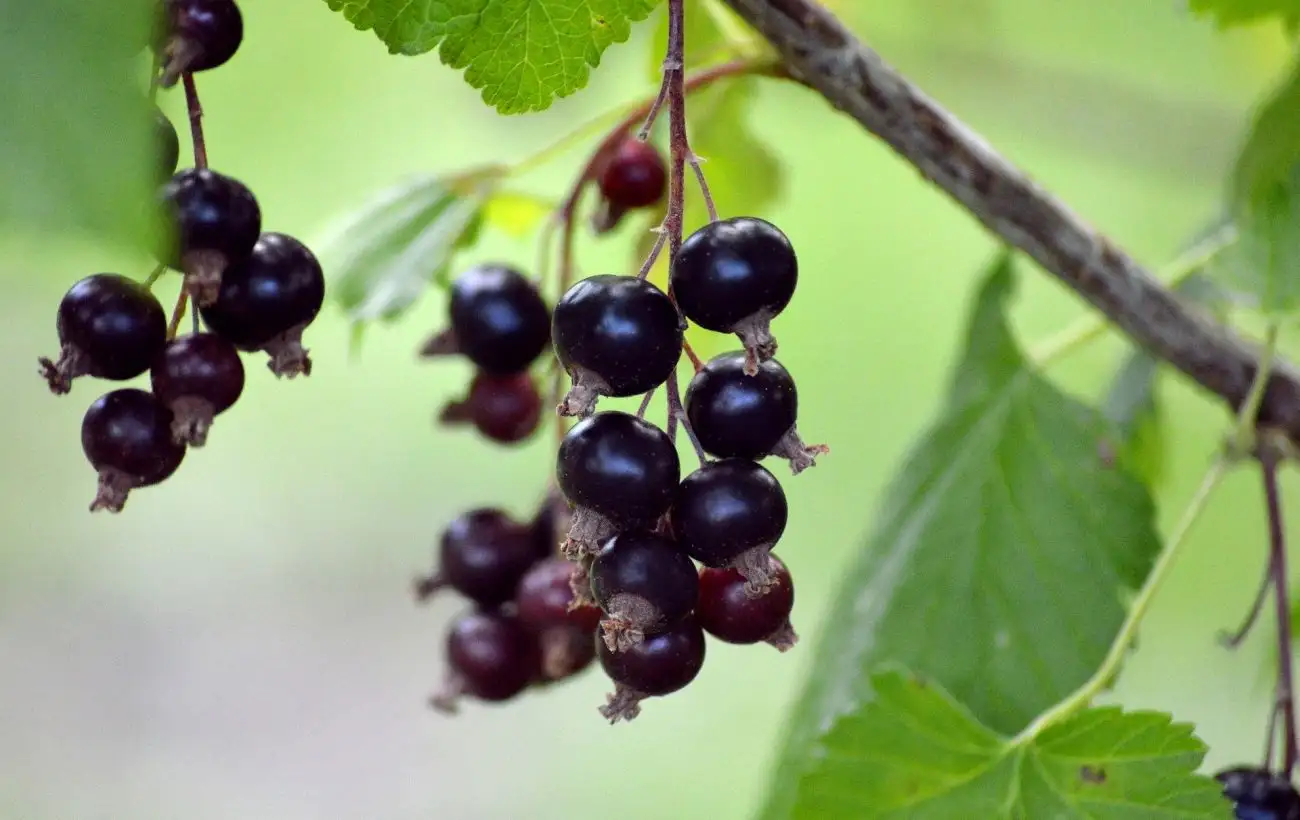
690, 354
154, 275
196, 120
1269, 462
709, 206
1233, 639
645, 403
178, 313
656, 249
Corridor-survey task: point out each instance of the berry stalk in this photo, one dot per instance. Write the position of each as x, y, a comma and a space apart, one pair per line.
195, 109
1269, 461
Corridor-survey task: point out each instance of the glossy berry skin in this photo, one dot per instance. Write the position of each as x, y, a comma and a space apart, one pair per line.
619, 466
202, 34
544, 597
504, 409
211, 214
127, 437
494, 657
111, 327
641, 570
1258, 794
499, 319
202, 366
635, 176
168, 146
734, 269
483, 554
661, 664
726, 508
727, 613
277, 288
738, 415
622, 330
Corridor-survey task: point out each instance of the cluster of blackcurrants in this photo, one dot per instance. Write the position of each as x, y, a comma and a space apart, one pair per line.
253, 291
1259, 794
629, 528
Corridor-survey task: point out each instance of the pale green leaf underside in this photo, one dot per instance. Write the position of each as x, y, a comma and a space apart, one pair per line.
911, 752
522, 54
1240, 12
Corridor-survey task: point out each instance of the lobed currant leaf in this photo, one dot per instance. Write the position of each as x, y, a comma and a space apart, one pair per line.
999, 554
910, 750
1228, 13
521, 54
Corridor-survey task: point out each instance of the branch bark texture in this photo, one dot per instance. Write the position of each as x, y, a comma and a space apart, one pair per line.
819, 51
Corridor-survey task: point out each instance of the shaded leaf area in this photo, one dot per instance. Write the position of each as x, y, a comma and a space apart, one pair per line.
1229, 13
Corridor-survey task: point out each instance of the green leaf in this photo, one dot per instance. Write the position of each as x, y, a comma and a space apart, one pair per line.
75, 130
744, 176
999, 554
1228, 13
522, 54
714, 34
911, 751
517, 214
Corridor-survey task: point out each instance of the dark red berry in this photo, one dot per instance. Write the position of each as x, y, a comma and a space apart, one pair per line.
549, 524
127, 437
490, 657
545, 604
215, 222
727, 612
616, 336
660, 665
505, 409
200, 35
736, 414
268, 300
635, 176
1258, 794
198, 377
482, 555
730, 514
619, 472
497, 320
168, 146
110, 327
644, 583
735, 276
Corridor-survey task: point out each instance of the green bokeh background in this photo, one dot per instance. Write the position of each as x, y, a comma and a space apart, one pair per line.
240, 644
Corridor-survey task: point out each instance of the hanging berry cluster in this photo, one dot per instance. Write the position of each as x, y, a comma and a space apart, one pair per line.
251, 290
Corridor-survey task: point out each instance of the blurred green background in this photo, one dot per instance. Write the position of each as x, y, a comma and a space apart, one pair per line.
240, 643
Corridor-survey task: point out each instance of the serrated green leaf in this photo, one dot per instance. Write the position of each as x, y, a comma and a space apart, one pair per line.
999, 554
522, 54
912, 752
76, 127
1229, 13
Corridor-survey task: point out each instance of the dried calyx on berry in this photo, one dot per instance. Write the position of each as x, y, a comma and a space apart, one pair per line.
1259, 794
198, 377
659, 665
504, 409
496, 319
127, 437
482, 555
634, 176
215, 223
197, 35
727, 612
615, 336
619, 472
739, 415
110, 327
735, 276
546, 605
490, 657
644, 584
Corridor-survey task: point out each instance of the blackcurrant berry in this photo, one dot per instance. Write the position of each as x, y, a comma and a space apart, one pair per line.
549, 524
200, 35
619, 471
735, 276
110, 327
267, 300
644, 583
490, 657
168, 146
198, 377
1258, 794
482, 555
616, 336
661, 664
735, 414
127, 437
727, 612
215, 221
730, 514
496, 319
505, 409
546, 604
634, 176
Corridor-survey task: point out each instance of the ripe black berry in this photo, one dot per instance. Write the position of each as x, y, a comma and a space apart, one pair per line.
1258, 794
660, 665
619, 472
549, 524
735, 414
198, 377
200, 35
168, 146
616, 336
497, 320
730, 514
110, 327
127, 437
482, 555
267, 300
505, 409
735, 276
633, 177
490, 657
727, 612
644, 583
215, 221
564, 625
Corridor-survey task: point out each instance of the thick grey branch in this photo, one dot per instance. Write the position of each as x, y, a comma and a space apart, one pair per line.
821, 53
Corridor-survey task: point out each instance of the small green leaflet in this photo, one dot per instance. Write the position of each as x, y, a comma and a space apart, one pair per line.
911, 752
1228, 13
999, 554
522, 54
